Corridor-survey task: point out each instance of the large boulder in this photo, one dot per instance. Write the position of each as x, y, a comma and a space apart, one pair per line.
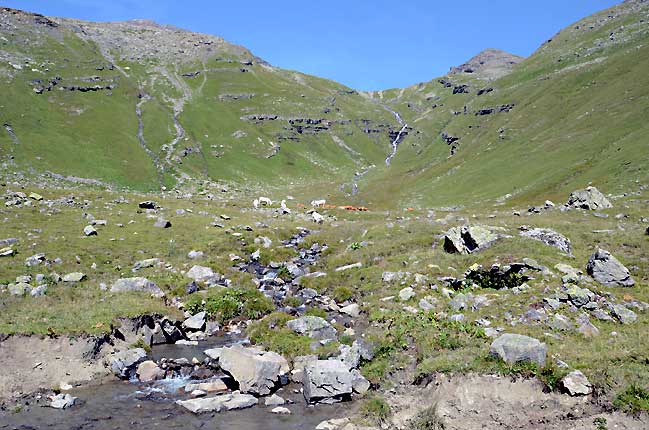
622, 314
200, 273
312, 326
137, 284
123, 363
515, 348
590, 198
327, 381
223, 402
256, 371
548, 237
195, 322
607, 270
468, 239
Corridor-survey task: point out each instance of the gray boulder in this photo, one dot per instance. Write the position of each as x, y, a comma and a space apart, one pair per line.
74, 277
137, 284
143, 264
607, 270
19, 289
200, 273
515, 348
576, 384
256, 371
468, 239
327, 381
312, 326
223, 402
548, 237
590, 198
622, 314
195, 322
162, 223
124, 363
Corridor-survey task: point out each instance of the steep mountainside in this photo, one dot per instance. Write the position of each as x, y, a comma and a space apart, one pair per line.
147, 106
142, 105
572, 113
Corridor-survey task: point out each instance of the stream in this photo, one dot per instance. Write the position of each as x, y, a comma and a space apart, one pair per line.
127, 405
124, 405
397, 140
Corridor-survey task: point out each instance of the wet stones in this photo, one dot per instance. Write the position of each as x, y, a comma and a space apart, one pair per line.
590, 199
327, 381
515, 348
255, 370
123, 363
62, 401
607, 270
223, 402
148, 371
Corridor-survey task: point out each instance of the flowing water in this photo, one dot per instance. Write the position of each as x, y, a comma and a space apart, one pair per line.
397, 140
124, 405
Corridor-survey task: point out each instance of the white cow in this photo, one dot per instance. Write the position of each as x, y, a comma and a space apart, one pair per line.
317, 218
318, 203
285, 209
265, 201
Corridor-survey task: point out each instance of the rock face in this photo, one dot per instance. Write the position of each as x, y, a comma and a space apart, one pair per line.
123, 363
590, 198
256, 371
137, 284
515, 348
312, 326
490, 63
607, 270
223, 402
549, 237
468, 239
327, 381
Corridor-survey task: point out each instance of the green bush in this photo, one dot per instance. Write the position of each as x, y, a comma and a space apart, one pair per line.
376, 410
225, 304
272, 333
634, 399
316, 312
341, 294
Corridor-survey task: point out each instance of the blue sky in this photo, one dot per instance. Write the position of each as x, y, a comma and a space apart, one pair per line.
365, 44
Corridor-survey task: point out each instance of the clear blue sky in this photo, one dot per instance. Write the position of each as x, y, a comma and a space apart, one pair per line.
366, 44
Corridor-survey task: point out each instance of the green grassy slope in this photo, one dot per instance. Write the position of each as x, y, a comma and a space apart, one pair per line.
580, 114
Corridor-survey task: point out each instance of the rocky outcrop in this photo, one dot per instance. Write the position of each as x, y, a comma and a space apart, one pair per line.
516, 348
256, 371
607, 270
590, 198
490, 63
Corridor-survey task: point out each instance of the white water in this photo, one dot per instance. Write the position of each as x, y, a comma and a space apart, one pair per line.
395, 142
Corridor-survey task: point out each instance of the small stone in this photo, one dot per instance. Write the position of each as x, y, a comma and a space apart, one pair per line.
148, 371
89, 231
162, 223
576, 384
406, 294
74, 277
281, 410
274, 400
62, 401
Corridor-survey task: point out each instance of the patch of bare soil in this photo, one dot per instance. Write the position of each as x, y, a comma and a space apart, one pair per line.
31, 363
495, 402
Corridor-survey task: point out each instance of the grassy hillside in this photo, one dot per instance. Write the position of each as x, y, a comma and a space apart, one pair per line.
578, 116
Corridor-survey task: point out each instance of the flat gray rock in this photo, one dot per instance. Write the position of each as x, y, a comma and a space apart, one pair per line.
138, 285
312, 326
223, 402
327, 381
515, 348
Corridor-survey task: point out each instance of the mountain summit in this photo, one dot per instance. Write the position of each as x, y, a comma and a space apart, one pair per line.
490, 63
